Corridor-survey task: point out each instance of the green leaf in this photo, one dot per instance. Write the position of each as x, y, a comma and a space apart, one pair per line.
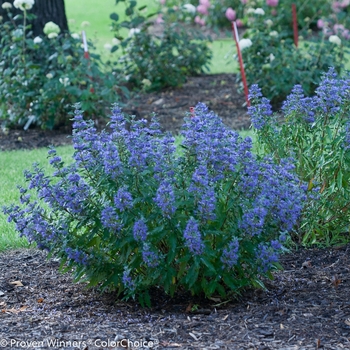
208, 264
114, 48
172, 248
129, 11
114, 16
192, 275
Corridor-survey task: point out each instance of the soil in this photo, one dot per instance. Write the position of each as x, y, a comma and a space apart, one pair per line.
306, 306
218, 91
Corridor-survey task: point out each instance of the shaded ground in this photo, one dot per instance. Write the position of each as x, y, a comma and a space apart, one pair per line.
307, 306
218, 91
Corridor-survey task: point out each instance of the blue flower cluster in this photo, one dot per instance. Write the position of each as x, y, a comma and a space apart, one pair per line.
131, 200
193, 238
259, 112
230, 255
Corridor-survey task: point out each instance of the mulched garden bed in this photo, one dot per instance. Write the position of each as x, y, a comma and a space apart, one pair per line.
218, 91
306, 306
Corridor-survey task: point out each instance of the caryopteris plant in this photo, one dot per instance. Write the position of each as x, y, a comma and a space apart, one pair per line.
132, 212
315, 131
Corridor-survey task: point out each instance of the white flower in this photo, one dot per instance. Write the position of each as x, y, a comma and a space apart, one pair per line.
244, 43
250, 10
115, 41
274, 33
75, 36
23, 4
49, 76
272, 57
85, 24
64, 81
6, 5
108, 47
133, 31
269, 22
51, 27
335, 39
146, 82
37, 40
259, 11
190, 8
52, 35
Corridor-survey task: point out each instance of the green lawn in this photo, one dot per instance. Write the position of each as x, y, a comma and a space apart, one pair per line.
12, 166
99, 29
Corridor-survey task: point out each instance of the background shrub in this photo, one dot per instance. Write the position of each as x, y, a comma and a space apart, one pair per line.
132, 212
276, 64
42, 77
316, 132
167, 58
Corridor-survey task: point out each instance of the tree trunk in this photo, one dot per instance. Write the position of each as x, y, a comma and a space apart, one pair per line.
45, 11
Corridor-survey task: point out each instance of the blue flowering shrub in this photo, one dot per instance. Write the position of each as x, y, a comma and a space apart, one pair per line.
133, 212
316, 132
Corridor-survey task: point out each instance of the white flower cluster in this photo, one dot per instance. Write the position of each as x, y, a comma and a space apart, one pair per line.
335, 39
51, 29
23, 4
6, 5
245, 43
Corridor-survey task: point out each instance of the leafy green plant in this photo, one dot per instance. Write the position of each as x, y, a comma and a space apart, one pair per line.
131, 212
274, 63
316, 132
42, 77
154, 61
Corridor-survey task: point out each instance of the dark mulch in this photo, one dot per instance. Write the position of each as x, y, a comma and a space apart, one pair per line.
218, 91
306, 306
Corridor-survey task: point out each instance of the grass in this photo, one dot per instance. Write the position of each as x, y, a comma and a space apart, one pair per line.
12, 165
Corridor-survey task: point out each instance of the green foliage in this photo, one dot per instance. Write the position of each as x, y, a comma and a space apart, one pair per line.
276, 64
43, 76
316, 132
154, 61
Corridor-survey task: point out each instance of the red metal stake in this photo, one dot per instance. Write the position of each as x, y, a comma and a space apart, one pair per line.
240, 59
295, 24
86, 51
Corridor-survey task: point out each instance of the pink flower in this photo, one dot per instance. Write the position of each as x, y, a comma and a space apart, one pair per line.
199, 21
345, 3
274, 12
205, 3
244, 2
338, 28
202, 9
272, 3
230, 14
239, 23
327, 32
336, 6
162, 2
346, 34
320, 24
160, 19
